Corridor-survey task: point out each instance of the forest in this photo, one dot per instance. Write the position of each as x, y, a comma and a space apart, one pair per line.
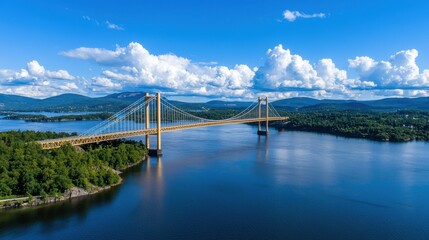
27, 170
393, 126
399, 126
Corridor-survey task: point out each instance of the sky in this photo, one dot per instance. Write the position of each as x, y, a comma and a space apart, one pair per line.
198, 50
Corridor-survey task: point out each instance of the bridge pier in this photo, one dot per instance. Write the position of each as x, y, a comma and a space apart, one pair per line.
158, 151
260, 131
155, 152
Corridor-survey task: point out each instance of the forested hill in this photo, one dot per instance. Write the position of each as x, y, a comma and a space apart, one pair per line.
115, 102
387, 104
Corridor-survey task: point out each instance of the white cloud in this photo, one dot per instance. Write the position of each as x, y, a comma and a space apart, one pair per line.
401, 93
68, 86
113, 26
60, 74
36, 81
134, 65
105, 82
291, 16
283, 72
98, 55
9, 75
34, 71
400, 71
40, 91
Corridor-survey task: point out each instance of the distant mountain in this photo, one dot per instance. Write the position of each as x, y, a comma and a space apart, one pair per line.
387, 104
64, 99
400, 103
117, 101
61, 103
300, 102
337, 106
17, 102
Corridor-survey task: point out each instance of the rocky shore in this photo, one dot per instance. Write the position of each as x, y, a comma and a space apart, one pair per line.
73, 192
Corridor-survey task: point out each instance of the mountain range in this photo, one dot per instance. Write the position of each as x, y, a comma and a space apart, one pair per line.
117, 101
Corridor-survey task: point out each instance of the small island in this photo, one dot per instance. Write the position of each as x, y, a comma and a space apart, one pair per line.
30, 176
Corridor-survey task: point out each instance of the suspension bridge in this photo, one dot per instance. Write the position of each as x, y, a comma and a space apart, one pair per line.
152, 115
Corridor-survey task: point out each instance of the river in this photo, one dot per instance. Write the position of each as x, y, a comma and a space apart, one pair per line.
225, 182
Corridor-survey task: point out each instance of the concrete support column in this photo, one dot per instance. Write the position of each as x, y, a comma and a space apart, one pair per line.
260, 131
259, 113
158, 151
158, 120
266, 122
147, 120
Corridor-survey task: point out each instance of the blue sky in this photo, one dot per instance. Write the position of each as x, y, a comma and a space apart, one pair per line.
216, 49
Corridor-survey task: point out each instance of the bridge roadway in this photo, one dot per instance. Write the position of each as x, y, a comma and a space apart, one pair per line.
81, 140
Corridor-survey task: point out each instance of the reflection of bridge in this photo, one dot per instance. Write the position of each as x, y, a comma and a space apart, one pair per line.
153, 115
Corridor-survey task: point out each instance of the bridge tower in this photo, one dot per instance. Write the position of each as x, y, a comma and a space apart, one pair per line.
260, 131
147, 119
158, 151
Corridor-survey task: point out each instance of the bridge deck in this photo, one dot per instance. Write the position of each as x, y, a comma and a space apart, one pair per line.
81, 140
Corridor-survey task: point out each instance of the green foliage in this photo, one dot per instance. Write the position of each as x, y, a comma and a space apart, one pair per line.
397, 126
217, 114
26, 169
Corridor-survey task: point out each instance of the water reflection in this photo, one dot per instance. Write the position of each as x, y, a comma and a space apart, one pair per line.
59, 215
153, 179
263, 149
53, 216
227, 183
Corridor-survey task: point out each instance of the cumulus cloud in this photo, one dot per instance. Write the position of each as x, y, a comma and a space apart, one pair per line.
36, 81
284, 71
283, 74
400, 71
34, 71
401, 93
291, 16
70, 86
135, 65
105, 82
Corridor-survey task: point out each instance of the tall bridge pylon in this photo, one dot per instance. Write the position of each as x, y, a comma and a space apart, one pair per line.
152, 115
260, 100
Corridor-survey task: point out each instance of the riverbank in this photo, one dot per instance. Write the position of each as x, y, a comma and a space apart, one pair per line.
52, 175
74, 192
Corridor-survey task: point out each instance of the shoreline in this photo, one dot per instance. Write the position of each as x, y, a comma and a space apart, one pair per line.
71, 193
348, 136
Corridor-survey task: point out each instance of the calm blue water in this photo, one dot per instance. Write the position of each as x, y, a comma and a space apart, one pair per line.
56, 114
227, 183
69, 127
